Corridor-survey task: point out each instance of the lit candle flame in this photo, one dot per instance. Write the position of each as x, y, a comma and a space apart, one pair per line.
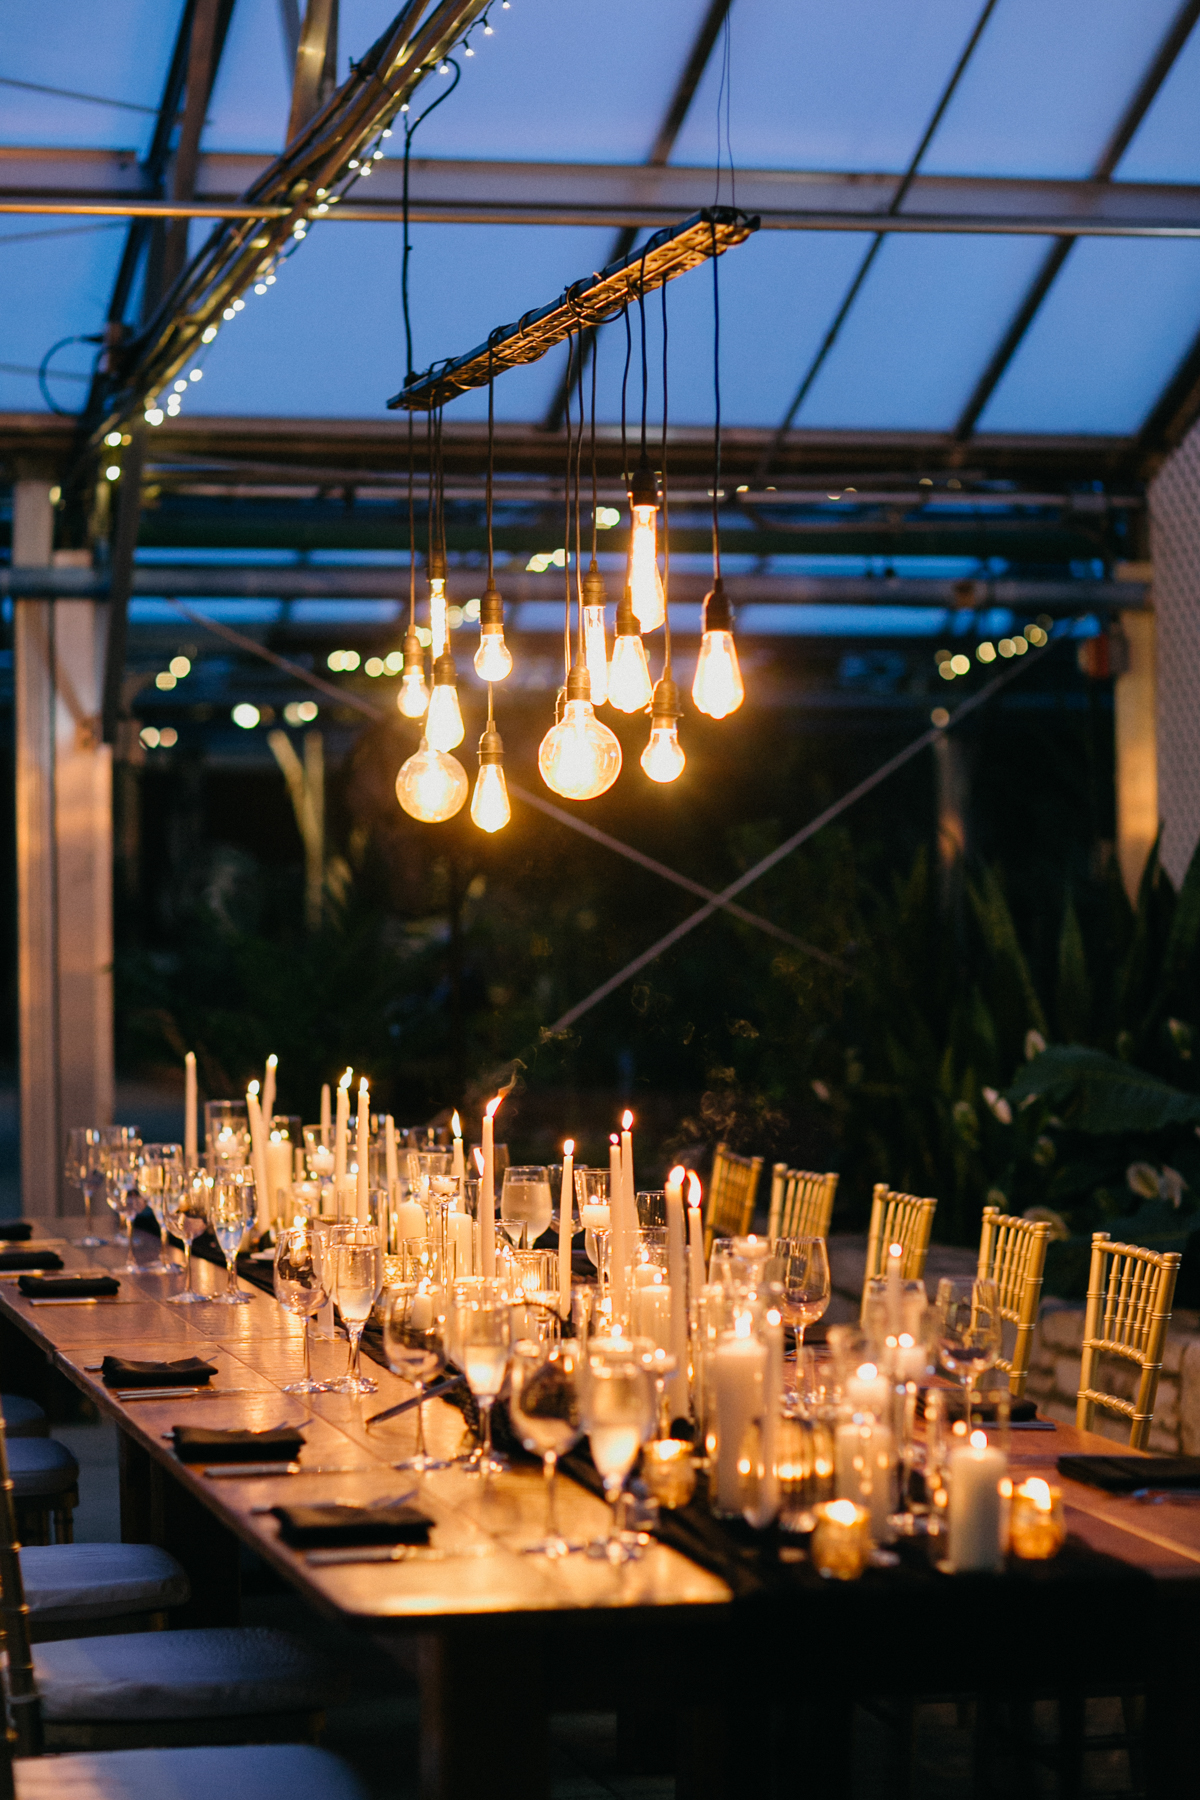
493, 1106
272, 1061
613, 1138
253, 1089
896, 1250
456, 1125
568, 1146
676, 1177
979, 1440
364, 1086
693, 1188
346, 1079
626, 1120
477, 1153
867, 1371
1039, 1492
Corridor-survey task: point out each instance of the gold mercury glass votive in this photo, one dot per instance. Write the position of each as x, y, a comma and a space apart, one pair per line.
1037, 1527
841, 1541
669, 1471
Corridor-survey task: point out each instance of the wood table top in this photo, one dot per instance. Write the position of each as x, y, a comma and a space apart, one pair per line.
475, 1566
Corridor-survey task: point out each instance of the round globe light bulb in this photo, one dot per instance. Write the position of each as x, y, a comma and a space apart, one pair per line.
717, 689
444, 722
662, 759
412, 697
490, 806
579, 758
493, 659
629, 688
431, 786
645, 582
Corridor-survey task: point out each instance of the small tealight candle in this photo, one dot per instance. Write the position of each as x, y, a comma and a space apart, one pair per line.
1037, 1528
841, 1540
669, 1471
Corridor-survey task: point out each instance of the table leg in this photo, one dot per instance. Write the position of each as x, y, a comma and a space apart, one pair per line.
483, 1717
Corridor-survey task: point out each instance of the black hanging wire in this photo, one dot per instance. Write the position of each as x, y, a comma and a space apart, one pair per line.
624, 392
567, 491
716, 493
665, 518
491, 453
595, 354
645, 366
412, 535
431, 508
407, 251
578, 476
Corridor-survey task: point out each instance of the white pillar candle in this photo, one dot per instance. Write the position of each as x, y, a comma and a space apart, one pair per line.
460, 1236
976, 1472
868, 1391
677, 1387
458, 1168
341, 1131
189, 1110
258, 1160
279, 1174
322, 1161
268, 1090
566, 1212
864, 1471
738, 1376
326, 1120
487, 1192
652, 1311
362, 1200
894, 1291
628, 1184
618, 1247
410, 1220
695, 1235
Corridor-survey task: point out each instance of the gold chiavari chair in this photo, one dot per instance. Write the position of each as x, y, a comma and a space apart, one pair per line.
1012, 1253
801, 1202
731, 1195
1130, 1292
898, 1219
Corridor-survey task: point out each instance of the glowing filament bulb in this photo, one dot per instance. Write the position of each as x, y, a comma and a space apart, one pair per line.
629, 687
431, 786
490, 807
444, 721
595, 651
579, 757
645, 582
437, 615
718, 689
662, 759
493, 659
413, 696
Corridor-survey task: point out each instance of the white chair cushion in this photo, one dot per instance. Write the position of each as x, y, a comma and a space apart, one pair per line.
99, 1581
41, 1468
22, 1417
218, 1672
249, 1772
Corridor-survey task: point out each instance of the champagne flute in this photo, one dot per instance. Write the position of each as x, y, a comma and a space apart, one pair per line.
482, 1329
618, 1411
800, 1266
358, 1280
120, 1190
84, 1170
301, 1287
160, 1167
544, 1407
187, 1210
591, 1193
415, 1346
968, 1327
231, 1211
526, 1205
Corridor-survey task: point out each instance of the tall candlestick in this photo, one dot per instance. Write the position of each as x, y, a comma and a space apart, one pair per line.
268, 1090
677, 1387
362, 1201
976, 1472
768, 1499
618, 1247
894, 1292
628, 1184
326, 1118
695, 1235
393, 1166
189, 1110
340, 1133
457, 1166
258, 1159
566, 1213
487, 1192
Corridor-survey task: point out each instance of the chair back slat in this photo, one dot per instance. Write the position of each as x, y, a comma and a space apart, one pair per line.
1012, 1253
731, 1195
1130, 1295
801, 1202
898, 1219
24, 1708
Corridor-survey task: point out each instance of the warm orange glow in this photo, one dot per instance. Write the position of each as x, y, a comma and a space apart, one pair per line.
626, 1121
456, 1125
693, 1188
613, 1138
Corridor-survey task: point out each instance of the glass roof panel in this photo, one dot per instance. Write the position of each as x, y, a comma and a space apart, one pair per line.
815, 86
1109, 336
922, 328
250, 101
301, 349
116, 53
56, 283
1046, 86
1167, 145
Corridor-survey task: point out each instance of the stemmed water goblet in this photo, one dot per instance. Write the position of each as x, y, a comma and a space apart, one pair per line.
591, 1193
160, 1170
357, 1282
799, 1268
121, 1192
415, 1346
231, 1211
618, 1411
968, 1328
544, 1405
187, 1210
526, 1205
302, 1288
482, 1335
84, 1170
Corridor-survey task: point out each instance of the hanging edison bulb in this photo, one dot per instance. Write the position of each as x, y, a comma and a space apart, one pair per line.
493, 659
629, 688
595, 642
490, 806
718, 689
645, 582
431, 786
413, 696
662, 759
444, 721
437, 612
579, 757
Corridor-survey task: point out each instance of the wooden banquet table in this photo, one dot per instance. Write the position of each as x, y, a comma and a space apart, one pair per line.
497, 1640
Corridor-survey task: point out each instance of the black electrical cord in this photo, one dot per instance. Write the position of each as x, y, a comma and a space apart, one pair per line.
567, 534
624, 391
412, 536
716, 493
75, 338
407, 251
578, 479
665, 534
491, 453
645, 366
595, 357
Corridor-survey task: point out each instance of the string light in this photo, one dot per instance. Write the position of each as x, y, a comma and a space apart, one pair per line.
412, 698
718, 689
431, 786
490, 806
629, 688
579, 757
444, 721
493, 659
663, 759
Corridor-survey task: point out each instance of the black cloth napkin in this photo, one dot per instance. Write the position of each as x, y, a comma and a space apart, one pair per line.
189, 1371
201, 1444
30, 1259
16, 1231
327, 1527
1125, 1474
68, 1287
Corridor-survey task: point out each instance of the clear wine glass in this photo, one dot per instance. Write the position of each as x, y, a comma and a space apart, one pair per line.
160, 1167
302, 1288
544, 1405
482, 1331
121, 1192
231, 1210
591, 1194
526, 1205
83, 1169
968, 1327
187, 1210
618, 1412
414, 1343
357, 1283
800, 1267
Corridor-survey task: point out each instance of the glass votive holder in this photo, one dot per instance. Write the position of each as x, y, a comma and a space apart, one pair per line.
1037, 1526
669, 1471
841, 1540
805, 1467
